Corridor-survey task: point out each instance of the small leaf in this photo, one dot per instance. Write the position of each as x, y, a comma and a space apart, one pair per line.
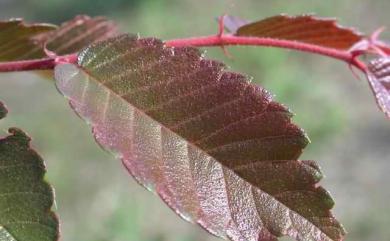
17, 40
78, 33
379, 79
306, 29
217, 149
21, 42
25, 198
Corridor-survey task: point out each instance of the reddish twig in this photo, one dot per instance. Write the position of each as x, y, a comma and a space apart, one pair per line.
224, 40
37, 64
23, 65
221, 40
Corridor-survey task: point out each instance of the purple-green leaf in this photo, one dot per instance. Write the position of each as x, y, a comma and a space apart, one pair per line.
25, 198
19, 41
216, 148
78, 33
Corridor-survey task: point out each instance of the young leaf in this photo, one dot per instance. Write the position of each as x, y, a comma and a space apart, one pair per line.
17, 40
22, 42
216, 148
25, 198
306, 29
78, 33
379, 79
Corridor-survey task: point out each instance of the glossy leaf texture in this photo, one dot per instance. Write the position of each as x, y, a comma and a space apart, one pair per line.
17, 40
379, 79
216, 148
306, 28
25, 198
22, 42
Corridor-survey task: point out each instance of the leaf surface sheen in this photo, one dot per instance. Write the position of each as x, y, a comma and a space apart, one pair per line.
305, 28
217, 149
25, 198
379, 79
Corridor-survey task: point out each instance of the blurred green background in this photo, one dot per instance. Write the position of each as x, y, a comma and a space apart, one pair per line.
98, 201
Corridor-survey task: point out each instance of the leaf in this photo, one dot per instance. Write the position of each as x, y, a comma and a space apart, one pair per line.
25, 198
307, 29
78, 33
214, 147
379, 79
17, 40
21, 42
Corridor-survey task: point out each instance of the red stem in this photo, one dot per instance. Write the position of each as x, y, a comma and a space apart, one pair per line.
37, 64
214, 40
223, 40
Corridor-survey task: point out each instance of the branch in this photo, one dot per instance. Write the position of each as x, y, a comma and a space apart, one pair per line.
225, 39
221, 40
37, 64
23, 65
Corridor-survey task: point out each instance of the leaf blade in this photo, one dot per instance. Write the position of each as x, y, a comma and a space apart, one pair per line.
76, 34
17, 40
378, 76
32, 40
25, 198
303, 28
176, 120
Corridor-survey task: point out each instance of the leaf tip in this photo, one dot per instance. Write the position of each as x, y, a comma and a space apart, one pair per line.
314, 169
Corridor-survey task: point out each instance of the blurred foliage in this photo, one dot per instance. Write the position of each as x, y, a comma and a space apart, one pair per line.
58, 11
349, 135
